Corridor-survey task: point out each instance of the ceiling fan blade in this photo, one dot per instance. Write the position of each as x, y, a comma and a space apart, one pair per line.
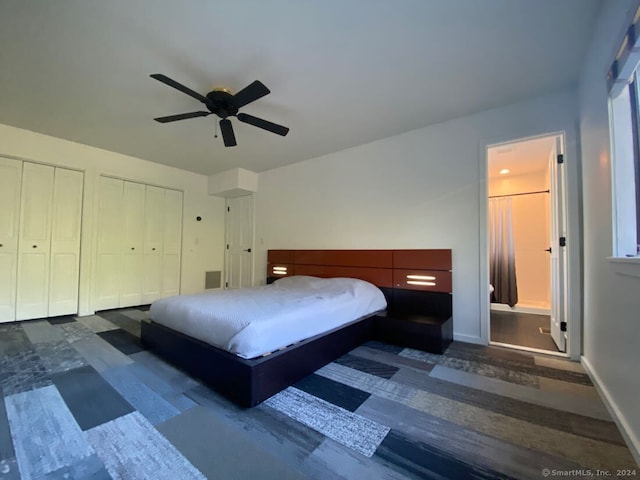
227, 133
181, 116
178, 86
264, 124
250, 93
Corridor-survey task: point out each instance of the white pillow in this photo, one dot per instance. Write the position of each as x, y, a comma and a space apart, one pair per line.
297, 281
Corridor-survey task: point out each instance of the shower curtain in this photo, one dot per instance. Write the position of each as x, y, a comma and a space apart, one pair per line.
502, 259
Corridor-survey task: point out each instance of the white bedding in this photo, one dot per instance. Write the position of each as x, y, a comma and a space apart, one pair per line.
251, 322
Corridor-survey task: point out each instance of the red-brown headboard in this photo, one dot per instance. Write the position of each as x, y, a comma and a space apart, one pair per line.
425, 270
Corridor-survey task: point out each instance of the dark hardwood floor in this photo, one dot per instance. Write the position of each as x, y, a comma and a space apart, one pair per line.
521, 329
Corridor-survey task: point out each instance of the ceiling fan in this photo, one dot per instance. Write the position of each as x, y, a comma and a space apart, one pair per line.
224, 104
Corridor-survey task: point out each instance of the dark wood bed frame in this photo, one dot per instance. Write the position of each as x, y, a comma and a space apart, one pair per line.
249, 382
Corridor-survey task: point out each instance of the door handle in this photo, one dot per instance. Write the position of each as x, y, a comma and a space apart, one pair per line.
548, 249
247, 250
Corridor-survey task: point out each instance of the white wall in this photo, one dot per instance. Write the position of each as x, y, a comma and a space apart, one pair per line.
611, 300
203, 242
422, 189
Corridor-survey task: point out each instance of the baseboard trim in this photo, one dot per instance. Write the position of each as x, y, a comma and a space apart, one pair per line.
468, 339
632, 440
529, 349
519, 309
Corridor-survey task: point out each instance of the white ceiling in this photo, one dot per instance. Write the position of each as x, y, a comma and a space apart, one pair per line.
341, 72
520, 158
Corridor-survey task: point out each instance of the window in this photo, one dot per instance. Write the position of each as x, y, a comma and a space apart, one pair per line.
634, 97
624, 93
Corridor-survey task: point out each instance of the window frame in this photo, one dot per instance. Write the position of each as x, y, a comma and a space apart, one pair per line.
634, 96
623, 85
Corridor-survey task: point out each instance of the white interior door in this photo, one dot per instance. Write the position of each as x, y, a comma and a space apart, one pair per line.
172, 245
132, 244
153, 241
108, 265
65, 242
35, 241
558, 252
10, 186
239, 236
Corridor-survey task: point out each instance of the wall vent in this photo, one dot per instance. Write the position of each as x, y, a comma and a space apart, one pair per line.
212, 279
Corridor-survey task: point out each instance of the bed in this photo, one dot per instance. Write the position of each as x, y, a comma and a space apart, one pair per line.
249, 371
257, 321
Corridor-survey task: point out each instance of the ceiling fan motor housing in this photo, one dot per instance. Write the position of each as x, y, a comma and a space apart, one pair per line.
221, 103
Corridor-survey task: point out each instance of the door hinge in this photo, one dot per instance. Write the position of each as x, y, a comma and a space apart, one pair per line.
228, 209
563, 326
563, 241
560, 158
226, 284
227, 246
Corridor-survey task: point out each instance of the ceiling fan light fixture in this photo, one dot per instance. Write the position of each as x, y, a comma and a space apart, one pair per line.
224, 104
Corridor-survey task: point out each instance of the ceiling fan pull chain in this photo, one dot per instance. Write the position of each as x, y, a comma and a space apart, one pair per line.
215, 129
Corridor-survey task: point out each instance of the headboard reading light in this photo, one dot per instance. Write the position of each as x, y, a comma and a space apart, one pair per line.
426, 280
420, 277
279, 270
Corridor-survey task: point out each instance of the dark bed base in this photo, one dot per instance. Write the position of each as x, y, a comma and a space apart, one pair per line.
249, 382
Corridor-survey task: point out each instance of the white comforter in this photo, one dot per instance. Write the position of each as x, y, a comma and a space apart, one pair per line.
251, 322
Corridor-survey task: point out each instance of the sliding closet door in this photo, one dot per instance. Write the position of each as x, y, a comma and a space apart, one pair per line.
10, 183
65, 242
109, 261
172, 245
35, 241
132, 246
153, 233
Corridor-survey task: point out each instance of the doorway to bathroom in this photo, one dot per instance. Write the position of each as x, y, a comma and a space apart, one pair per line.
526, 248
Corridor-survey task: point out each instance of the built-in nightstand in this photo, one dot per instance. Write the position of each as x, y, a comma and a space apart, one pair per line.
422, 332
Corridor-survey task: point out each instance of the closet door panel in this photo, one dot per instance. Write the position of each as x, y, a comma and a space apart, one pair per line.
33, 298
63, 290
34, 243
132, 246
171, 275
152, 278
65, 242
132, 279
172, 245
153, 219
109, 261
10, 186
8, 274
153, 241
